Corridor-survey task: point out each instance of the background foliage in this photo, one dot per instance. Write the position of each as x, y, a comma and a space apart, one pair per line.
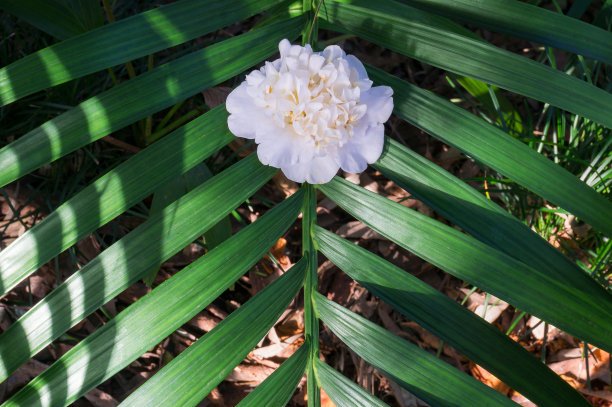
489, 249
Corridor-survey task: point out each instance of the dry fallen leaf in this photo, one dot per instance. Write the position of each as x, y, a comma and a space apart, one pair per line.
490, 380
325, 400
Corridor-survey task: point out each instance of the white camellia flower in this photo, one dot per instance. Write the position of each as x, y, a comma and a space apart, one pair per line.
311, 113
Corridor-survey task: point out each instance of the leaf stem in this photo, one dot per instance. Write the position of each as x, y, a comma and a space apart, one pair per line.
311, 322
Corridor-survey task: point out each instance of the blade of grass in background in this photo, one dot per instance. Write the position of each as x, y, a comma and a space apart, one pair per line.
129, 259
418, 371
526, 21
277, 389
566, 307
195, 372
504, 113
493, 147
116, 43
112, 194
398, 27
155, 316
141, 96
462, 329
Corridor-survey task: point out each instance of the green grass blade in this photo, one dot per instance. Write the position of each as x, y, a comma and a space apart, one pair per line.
480, 217
493, 147
156, 315
129, 259
277, 389
419, 372
451, 322
342, 391
141, 96
112, 194
116, 43
467, 258
529, 22
59, 18
404, 29
505, 114
194, 373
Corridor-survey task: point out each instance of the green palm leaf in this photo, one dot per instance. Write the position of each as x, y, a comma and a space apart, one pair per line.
60, 18
498, 150
342, 391
481, 217
450, 322
196, 371
141, 96
129, 259
421, 373
498, 253
526, 21
411, 32
112, 194
158, 314
277, 389
113, 44
477, 263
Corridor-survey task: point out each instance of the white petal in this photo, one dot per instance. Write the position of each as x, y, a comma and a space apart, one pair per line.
371, 144
333, 52
282, 148
355, 63
239, 100
363, 149
317, 171
284, 46
351, 160
241, 125
315, 63
379, 102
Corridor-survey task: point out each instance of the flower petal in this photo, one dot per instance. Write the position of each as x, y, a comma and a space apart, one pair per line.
363, 149
239, 100
319, 170
312, 113
379, 102
355, 63
281, 150
284, 46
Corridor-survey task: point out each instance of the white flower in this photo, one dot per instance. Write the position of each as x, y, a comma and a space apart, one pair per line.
311, 113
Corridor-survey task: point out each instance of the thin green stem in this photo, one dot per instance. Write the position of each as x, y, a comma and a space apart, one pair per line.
311, 322
314, 26
307, 10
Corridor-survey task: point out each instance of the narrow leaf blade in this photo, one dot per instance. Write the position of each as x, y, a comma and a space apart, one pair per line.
498, 150
465, 257
342, 391
529, 22
480, 217
428, 38
465, 331
159, 313
129, 259
196, 371
277, 389
116, 43
140, 97
112, 194
421, 373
